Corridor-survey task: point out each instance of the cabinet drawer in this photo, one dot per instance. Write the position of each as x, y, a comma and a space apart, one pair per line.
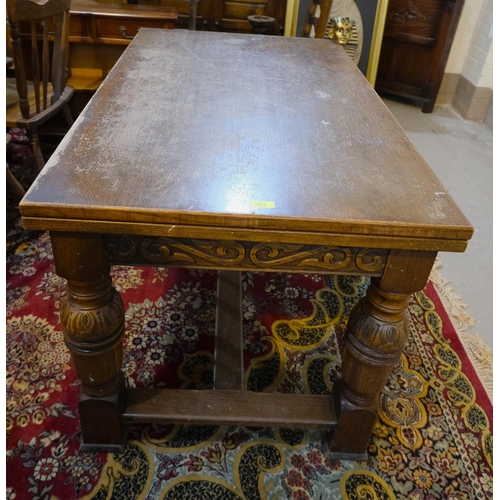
123, 30
79, 28
240, 10
413, 24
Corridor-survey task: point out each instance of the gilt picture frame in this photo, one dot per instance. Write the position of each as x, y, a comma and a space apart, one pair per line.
369, 19
291, 17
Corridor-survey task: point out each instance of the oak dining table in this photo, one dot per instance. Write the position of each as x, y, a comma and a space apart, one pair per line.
239, 153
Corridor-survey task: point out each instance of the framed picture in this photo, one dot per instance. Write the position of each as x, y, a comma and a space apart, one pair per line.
358, 25
292, 17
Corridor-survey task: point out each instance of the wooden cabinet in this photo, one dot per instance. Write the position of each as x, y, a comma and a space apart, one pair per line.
98, 35
95, 22
231, 15
416, 44
226, 15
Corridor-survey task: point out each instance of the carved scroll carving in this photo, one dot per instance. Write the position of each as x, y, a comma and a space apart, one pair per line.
165, 250
121, 248
321, 257
369, 259
409, 12
220, 254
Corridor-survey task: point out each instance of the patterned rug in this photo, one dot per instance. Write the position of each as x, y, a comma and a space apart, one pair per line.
433, 439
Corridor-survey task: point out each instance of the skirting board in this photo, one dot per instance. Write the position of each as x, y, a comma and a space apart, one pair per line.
473, 103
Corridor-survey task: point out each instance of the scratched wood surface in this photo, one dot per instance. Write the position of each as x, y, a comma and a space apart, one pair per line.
192, 128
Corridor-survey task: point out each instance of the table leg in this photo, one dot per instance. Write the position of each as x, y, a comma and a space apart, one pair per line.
93, 323
376, 334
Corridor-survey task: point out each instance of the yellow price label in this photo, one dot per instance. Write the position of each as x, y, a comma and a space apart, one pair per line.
263, 204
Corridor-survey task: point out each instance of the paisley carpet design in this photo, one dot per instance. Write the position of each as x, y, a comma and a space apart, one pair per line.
433, 439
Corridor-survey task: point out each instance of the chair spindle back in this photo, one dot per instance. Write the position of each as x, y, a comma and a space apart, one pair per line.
49, 65
317, 18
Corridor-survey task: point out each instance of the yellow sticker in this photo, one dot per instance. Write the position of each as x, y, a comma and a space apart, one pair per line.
263, 204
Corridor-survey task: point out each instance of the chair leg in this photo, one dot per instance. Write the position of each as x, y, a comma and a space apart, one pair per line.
37, 152
14, 185
67, 116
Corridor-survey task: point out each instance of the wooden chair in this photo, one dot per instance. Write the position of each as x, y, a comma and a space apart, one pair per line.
32, 103
317, 18
13, 184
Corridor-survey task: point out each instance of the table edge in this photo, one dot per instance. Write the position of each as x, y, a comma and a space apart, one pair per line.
41, 210
225, 232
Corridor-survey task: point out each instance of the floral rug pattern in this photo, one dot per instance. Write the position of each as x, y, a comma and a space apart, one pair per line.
433, 439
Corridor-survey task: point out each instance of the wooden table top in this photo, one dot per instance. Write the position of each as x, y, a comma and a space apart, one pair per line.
200, 128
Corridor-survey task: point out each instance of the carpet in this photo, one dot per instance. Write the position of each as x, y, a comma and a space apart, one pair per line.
433, 439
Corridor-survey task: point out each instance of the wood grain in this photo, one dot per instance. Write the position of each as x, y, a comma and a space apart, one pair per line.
376, 335
93, 324
200, 167
320, 144
228, 354
417, 40
241, 255
229, 408
378, 239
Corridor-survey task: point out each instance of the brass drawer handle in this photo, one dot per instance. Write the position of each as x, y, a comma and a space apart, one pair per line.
48, 32
123, 30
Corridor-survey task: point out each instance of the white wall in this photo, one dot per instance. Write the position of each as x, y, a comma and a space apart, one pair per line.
486, 78
463, 35
471, 53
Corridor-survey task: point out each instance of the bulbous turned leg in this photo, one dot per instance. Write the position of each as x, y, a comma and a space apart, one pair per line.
376, 335
93, 323
375, 338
